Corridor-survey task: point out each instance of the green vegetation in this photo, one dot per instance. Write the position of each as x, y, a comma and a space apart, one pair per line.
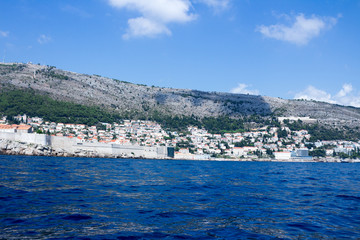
318, 153
321, 152
184, 144
56, 75
48, 72
213, 125
243, 143
17, 102
175, 123
270, 153
5, 68
282, 133
353, 155
318, 132
223, 124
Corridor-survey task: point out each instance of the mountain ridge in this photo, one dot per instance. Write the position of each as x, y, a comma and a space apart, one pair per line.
137, 99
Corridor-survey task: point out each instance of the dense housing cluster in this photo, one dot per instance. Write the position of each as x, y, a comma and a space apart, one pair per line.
196, 143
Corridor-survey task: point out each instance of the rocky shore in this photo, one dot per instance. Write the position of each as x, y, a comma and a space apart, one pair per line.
8, 147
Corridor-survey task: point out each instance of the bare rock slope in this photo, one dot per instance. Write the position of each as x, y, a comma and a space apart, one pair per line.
127, 97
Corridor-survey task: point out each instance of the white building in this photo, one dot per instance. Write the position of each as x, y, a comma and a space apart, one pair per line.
282, 155
239, 151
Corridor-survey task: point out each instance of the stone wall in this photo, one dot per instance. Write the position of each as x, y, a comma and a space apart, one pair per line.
34, 138
64, 146
64, 143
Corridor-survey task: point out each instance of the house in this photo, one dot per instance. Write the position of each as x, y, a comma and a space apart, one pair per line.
21, 118
238, 151
16, 128
3, 120
24, 128
7, 128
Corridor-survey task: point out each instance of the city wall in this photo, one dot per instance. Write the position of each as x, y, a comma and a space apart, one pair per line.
73, 146
31, 138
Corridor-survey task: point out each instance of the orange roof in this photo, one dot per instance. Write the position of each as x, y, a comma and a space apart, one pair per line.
4, 126
14, 126
24, 127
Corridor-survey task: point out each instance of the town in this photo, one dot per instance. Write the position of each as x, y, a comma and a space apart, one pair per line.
266, 143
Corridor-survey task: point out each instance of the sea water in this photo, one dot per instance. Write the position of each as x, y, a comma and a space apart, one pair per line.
82, 198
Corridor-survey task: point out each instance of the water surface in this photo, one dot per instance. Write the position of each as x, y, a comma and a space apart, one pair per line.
80, 198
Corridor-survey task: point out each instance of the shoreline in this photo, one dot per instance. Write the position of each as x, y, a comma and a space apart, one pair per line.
69, 155
15, 148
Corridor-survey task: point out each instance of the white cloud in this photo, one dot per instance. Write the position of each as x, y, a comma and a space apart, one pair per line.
144, 27
301, 31
155, 15
347, 88
4, 34
243, 89
42, 39
312, 93
346, 96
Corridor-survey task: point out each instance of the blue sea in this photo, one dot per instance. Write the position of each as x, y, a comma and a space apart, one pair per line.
82, 198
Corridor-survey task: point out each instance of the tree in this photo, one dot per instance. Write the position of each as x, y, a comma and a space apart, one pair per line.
270, 153
39, 131
282, 133
318, 153
343, 155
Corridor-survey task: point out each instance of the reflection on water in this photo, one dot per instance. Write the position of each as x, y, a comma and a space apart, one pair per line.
50, 198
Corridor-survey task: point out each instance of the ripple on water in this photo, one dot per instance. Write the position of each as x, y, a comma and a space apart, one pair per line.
305, 226
347, 197
73, 190
7, 198
13, 221
150, 199
77, 217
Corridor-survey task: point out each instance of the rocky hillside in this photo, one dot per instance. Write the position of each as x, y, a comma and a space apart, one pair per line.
125, 97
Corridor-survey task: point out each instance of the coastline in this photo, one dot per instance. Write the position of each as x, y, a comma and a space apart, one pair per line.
8, 147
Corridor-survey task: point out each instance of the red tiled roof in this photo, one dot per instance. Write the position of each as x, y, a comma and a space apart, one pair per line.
14, 126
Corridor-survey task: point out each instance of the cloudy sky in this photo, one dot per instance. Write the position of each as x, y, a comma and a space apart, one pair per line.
280, 48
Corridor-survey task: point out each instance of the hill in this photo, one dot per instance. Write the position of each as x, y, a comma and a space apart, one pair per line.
130, 100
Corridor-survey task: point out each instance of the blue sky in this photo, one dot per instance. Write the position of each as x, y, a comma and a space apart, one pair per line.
290, 49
